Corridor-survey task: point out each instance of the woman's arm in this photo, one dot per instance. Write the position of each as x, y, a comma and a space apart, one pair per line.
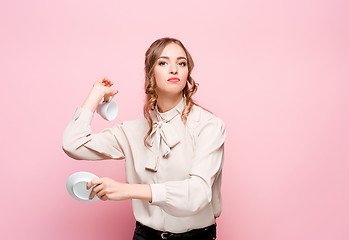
109, 189
78, 140
101, 89
190, 196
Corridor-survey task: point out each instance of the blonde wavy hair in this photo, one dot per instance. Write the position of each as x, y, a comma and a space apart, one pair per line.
151, 56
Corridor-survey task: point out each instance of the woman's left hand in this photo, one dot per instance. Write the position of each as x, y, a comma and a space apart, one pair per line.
108, 189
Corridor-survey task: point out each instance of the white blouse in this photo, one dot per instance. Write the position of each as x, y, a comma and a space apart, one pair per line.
183, 164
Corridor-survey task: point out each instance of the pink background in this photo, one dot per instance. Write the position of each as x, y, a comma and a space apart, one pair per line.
275, 71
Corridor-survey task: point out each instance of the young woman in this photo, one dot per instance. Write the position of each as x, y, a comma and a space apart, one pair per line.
173, 154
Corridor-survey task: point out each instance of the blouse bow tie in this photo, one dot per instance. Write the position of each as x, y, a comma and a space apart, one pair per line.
162, 138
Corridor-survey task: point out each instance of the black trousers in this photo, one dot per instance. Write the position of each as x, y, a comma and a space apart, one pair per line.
146, 233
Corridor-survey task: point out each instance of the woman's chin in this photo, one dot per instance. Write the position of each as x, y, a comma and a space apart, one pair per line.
170, 93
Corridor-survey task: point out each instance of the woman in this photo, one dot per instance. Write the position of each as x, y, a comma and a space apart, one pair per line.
174, 153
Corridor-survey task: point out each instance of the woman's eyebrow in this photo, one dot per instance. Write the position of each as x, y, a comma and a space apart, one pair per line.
166, 57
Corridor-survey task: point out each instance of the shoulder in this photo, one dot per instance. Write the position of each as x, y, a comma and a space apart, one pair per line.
204, 117
205, 124
206, 128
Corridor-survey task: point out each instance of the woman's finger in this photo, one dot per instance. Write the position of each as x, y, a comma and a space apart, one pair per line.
101, 193
106, 82
96, 190
93, 182
103, 80
104, 198
92, 195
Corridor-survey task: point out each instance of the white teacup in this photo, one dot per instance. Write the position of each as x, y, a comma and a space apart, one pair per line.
108, 110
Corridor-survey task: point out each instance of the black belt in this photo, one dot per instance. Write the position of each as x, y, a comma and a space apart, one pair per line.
169, 235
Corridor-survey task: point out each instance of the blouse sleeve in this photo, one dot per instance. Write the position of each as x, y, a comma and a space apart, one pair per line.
188, 197
80, 143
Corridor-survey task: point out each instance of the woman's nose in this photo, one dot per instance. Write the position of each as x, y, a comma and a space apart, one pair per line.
173, 69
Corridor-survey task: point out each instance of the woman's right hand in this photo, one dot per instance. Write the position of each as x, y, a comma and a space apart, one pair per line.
101, 89
103, 86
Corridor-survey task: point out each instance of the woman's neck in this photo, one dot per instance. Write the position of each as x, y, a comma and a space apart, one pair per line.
167, 103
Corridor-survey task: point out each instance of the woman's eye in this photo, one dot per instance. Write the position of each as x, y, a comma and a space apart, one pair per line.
162, 63
183, 64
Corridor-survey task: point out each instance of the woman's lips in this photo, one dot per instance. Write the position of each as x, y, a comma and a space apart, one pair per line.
173, 80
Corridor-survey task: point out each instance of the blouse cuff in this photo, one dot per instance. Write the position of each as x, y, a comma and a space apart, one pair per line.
84, 114
158, 192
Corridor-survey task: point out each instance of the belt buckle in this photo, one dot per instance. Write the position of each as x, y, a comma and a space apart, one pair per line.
165, 235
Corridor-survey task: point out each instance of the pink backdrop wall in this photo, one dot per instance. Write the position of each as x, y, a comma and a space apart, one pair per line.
275, 71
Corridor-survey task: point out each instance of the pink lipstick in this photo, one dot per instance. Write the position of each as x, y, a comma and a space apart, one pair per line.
174, 79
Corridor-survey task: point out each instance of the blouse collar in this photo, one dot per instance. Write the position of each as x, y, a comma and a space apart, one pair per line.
172, 113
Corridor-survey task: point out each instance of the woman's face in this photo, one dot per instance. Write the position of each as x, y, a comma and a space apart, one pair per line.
171, 71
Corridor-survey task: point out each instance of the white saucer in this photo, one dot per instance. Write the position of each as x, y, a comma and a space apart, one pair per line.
76, 186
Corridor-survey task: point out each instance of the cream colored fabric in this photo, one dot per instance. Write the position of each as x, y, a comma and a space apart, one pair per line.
162, 138
183, 164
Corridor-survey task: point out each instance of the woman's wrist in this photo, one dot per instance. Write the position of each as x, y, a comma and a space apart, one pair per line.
93, 99
140, 191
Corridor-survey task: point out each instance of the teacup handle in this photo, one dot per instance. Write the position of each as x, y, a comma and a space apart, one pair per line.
110, 98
